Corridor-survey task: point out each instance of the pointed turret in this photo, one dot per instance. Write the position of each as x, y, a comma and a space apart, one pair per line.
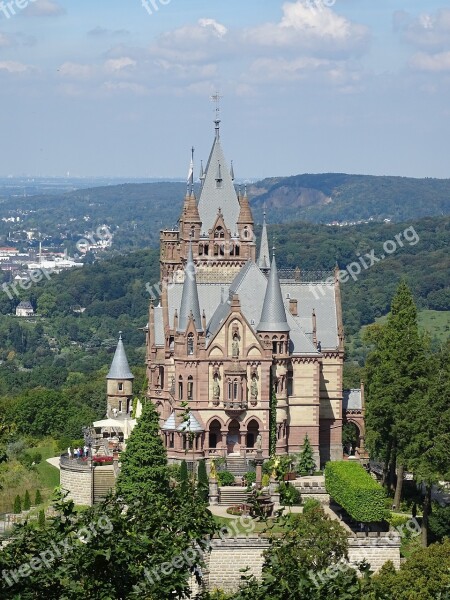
273, 314
120, 368
264, 256
232, 171
245, 214
189, 300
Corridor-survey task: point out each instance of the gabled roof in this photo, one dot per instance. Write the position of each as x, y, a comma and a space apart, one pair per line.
191, 425
273, 315
170, 424
120, 368
189, 299
218, 194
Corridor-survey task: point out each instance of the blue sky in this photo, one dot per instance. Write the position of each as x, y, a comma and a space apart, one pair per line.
103, 87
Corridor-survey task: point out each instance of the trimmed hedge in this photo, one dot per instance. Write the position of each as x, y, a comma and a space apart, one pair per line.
355, 490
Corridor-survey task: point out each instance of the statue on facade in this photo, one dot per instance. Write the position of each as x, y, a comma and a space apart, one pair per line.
258, 443
216, 388
254, 388
235, 346
213, 470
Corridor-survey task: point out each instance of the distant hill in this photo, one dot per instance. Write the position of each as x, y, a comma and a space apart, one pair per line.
137, 212
339, 197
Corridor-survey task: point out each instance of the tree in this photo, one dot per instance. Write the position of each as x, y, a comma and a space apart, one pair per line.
429, 458
306, 462
144, 468
41, 518
184, 475
17, 505
425, 575
203, 482
396, 376
27, 501
305, 562
37, 498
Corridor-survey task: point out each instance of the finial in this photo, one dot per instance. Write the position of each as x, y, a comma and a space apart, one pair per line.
216, 98
120, 335
273, 250
245, 191
190, 178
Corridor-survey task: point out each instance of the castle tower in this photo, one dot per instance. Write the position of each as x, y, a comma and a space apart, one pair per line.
120, 384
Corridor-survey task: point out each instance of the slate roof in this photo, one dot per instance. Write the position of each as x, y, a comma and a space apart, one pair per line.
251, 284
264, 253
25, 305
352, 400
213, 197
189, 299
273, 314
191, 425
120, 368
170, 424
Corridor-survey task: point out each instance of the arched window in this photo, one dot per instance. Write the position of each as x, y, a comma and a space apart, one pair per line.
237, 250
180, 388
190, 344
231, 249
235, 389
219, 233
200, 250
246, 233
230, 390
190, 388
216, 249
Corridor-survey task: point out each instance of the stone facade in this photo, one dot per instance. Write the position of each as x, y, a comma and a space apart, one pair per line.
209, 346
77, 480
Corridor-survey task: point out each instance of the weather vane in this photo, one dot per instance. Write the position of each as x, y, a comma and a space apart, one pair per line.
217, 98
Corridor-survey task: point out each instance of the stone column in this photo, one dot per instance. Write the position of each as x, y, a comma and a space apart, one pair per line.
259, 463
274, 495
213, 492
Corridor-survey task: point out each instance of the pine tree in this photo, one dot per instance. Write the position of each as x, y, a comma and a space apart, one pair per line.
144, 472
203, 483
41, 518
17, 505
37, 498
396, 374
27, 501
306, 461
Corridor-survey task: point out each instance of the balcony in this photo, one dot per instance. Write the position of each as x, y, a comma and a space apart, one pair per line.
235, 407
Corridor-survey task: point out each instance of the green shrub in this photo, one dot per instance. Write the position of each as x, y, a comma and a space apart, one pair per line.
355, 490
306, 463
174, 471
265, 480
396, 521
203, 482
225, 478
184, 475
17, 505
41, 518
37, 498
27, 501
440, 522
250, 477
310, 505
289, 494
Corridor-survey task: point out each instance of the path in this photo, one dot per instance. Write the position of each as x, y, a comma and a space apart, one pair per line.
54, 461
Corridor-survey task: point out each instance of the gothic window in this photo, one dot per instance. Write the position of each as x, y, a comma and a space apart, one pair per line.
230, 389
200, 250
216, 249
206, 249
180, 388
222, 250
190, 388
246, 233
171, 440
190, 344
275, 345
290, 383
231, 249
219, 233
235, 389
237, 250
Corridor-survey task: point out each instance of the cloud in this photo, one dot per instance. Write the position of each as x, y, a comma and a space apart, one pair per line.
435, 63
427, 31
13, 67
44, 8
118, 64
315, 29
219, 29
5, 40
101, 32
76, 70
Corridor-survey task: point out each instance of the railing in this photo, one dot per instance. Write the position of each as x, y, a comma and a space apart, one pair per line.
75, 464
305, 276
235, 405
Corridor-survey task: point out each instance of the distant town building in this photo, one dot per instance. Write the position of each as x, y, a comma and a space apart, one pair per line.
24, 309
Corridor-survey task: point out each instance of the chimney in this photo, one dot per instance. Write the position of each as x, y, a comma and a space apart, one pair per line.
293, 307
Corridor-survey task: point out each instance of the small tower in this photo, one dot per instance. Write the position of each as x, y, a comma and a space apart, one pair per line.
120, 384
264, 255
273, 326
190, 307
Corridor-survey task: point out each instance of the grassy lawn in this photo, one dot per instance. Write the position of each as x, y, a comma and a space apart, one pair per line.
48, 474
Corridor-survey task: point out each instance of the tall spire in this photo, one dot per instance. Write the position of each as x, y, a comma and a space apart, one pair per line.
264, 255
120, 368
232, 171
189, 300
273, 314
190, 179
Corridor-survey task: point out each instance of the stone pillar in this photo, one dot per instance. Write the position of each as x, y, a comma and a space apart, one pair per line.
274, 495
259, 463
213, 492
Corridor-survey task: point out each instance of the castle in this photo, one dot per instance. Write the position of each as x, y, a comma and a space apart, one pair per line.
240, 353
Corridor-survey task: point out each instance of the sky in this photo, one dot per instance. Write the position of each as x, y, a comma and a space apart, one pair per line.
119, 89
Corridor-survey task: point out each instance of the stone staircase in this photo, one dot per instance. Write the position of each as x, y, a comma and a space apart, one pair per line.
104, 481
237, 465
231, 495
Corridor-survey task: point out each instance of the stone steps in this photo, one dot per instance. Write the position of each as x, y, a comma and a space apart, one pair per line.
104, 481
237, 465
229, 496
